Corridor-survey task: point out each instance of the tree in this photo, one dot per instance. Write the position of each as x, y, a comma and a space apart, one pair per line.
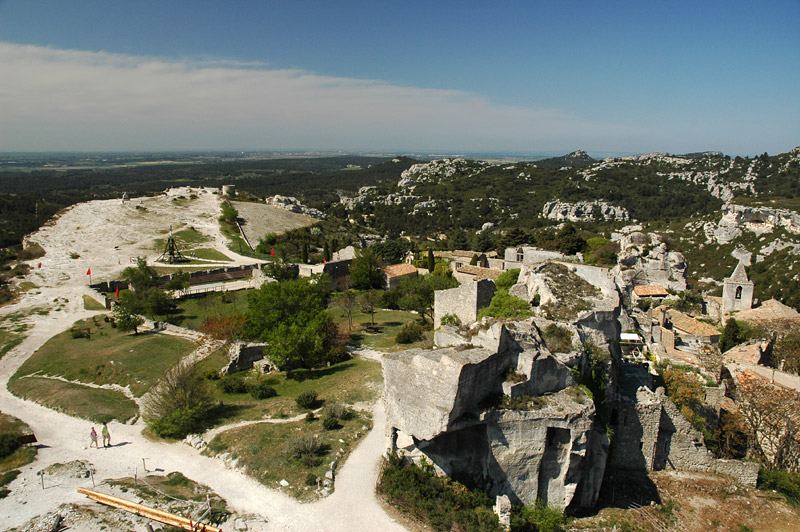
431, 261
127, 319
731, 335
281, 270
365, 271
229, 213
370, 301
290, 317
770, 414
418, 292
326, 252
225, 328
569, 242
391, 251
179, 281
141, 277
304, 253
179, 404
347, 301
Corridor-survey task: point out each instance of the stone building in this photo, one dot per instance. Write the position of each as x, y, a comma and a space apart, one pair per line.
465, 301
395, 274
737, 291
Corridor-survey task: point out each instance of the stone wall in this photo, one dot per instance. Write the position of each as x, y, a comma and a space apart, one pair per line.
465, 301
651, 434
242, 356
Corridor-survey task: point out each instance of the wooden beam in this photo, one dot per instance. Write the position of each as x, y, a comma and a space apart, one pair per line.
148, 512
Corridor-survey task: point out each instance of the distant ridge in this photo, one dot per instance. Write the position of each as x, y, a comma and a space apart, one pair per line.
576, 159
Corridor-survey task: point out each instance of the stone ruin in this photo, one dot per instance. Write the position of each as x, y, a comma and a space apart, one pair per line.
493, 407
478, 411
244, 356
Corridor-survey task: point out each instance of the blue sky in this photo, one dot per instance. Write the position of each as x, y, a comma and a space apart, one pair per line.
418, 76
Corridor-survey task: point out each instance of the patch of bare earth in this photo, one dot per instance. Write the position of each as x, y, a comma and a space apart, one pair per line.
260, 219
702, 502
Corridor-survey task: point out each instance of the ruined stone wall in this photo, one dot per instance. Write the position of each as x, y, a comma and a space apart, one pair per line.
465, 301
241, 357
653, 435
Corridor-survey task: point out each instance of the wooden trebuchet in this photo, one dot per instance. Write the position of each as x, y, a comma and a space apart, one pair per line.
150, 513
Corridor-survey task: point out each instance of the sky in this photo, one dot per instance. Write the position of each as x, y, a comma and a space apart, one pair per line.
445, 76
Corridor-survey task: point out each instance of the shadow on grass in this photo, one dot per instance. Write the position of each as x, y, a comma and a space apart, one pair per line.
301, 375
222, 412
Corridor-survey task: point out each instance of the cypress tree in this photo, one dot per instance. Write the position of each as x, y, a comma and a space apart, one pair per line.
431, 261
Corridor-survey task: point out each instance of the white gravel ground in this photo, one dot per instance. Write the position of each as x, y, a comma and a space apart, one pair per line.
105, 234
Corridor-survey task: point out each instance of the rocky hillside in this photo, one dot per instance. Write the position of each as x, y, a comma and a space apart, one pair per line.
447, 193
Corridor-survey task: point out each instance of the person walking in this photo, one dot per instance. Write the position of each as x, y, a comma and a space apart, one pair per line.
106, 435
93, 436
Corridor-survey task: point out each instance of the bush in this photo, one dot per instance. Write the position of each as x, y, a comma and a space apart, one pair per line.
310, 417
180, 422
211, 375
307, 399
538, 518
330, 423
260, 389
441, 503
411, 332
451, 319
557, 339
784, 482
311, 479
338, 354
9, 442
77, 333
337, 410
230, 384
305, 445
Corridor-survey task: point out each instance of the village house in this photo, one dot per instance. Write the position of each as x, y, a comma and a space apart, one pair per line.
654, 293
395, 274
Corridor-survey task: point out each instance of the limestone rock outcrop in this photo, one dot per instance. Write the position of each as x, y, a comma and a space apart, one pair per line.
584, 211
293, 204
539, 441
759, 220
644, 259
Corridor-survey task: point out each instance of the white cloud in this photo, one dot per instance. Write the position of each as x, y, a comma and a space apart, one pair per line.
76, 100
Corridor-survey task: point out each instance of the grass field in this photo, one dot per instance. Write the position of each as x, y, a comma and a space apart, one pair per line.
348, 382
387, 324
95, 404
210, 254
194, 310
108, 356
13, 328
90, 303
261, 448
22, 456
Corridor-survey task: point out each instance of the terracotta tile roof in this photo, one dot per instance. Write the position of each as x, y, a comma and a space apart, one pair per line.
690, 325
771, 310
650, 291
746, 353
398, 270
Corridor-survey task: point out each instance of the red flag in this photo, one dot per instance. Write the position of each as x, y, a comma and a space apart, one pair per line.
272, 252
89, 271
117, 293
323, 260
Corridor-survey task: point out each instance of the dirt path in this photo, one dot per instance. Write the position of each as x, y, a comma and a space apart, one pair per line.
103, 233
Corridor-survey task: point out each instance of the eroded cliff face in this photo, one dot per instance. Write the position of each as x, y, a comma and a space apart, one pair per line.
644, 259
497, 410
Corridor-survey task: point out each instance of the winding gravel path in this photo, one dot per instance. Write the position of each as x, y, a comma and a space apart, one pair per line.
92, 230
